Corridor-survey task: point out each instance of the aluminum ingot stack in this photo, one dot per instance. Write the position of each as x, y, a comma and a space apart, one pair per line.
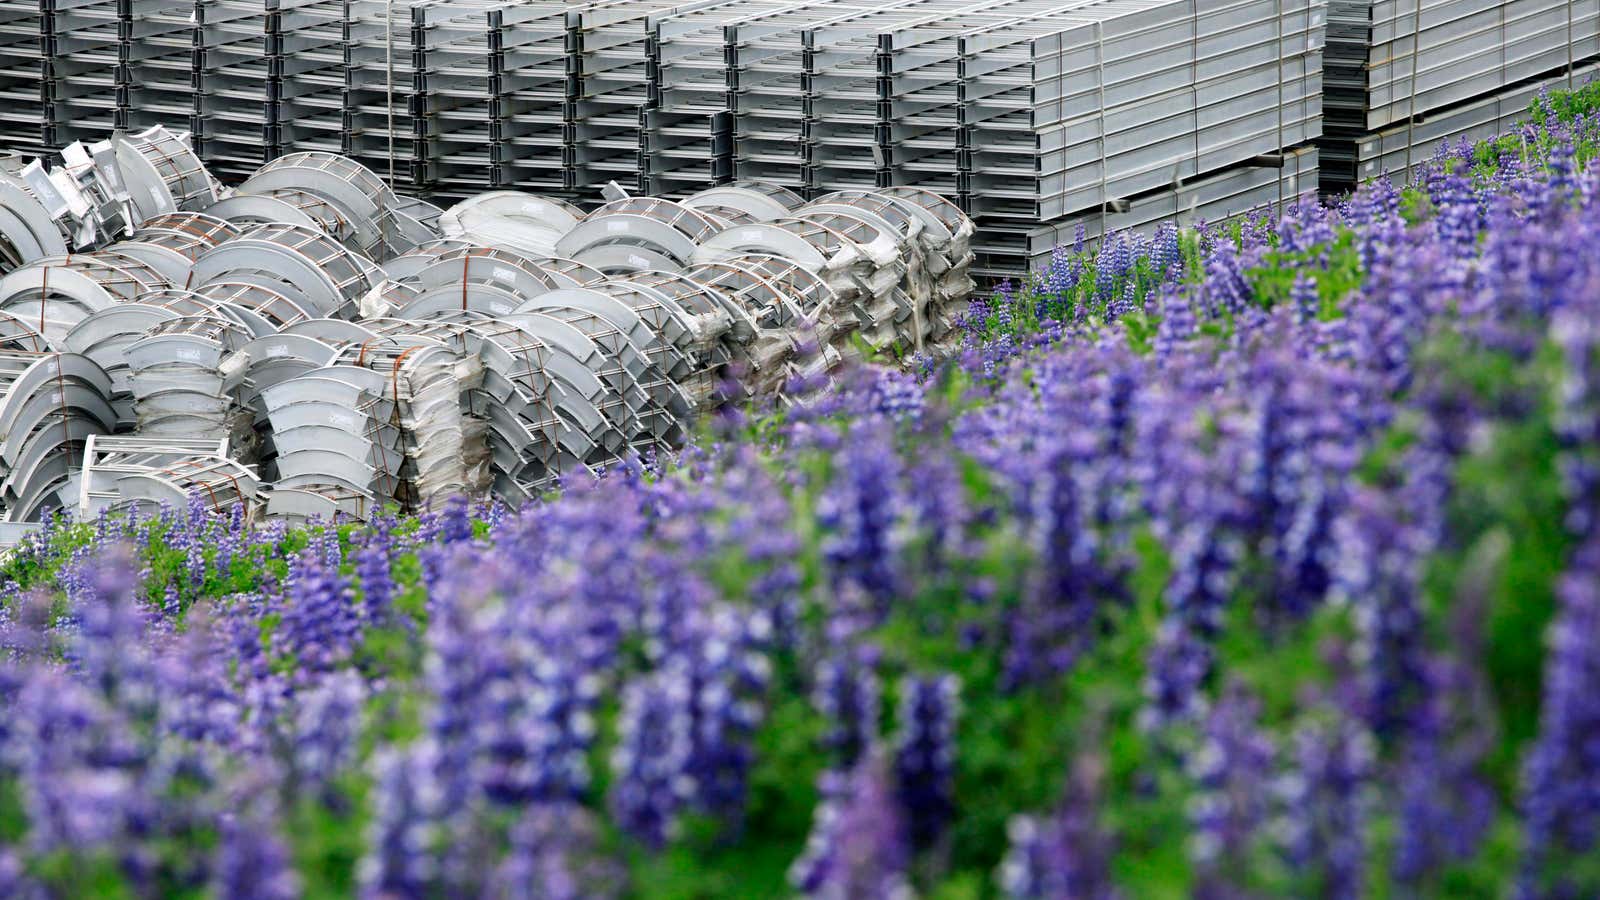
1400, 63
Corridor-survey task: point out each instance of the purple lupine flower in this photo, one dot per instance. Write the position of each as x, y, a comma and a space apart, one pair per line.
727, 676
1560, 800
402, 858
1326, 804
455, 524
857, 847
924, 761
861, 508
1380, 574
1225, 290
110, 649
552, 857
1578, 418
1055, 622
650, 763
847, 694
1305, 300
1065, 854
82, 772
199, 703
1204, 559
1178, 323
327, 723
377, 581
1446, 802
320, 623
1229, 807
253, 861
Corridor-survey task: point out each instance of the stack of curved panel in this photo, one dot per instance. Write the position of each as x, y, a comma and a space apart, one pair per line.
185, 373
444, 450
57, 293
331, 351
28, 226
50, 403
333, 426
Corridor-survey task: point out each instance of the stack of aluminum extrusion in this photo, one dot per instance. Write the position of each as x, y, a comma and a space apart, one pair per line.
314, 344
1403, 75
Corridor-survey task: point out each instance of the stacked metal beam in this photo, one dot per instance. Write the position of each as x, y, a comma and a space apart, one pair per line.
1215, 198
531, 108
1395, 62
310, 69
1070, 118
456, 75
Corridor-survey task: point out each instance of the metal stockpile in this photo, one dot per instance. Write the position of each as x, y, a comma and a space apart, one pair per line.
312, 343
1396, 65
1023, 112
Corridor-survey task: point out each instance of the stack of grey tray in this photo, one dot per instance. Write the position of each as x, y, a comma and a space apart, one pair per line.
381, 131
86, 56
1132, 98
158, 56
456, 81
1030, 114
310, 69
608, 55
24, 42
1397, 62
1215, 198
531, 108
237, 88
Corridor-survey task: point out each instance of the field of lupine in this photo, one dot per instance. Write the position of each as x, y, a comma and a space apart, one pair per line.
1252, 561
